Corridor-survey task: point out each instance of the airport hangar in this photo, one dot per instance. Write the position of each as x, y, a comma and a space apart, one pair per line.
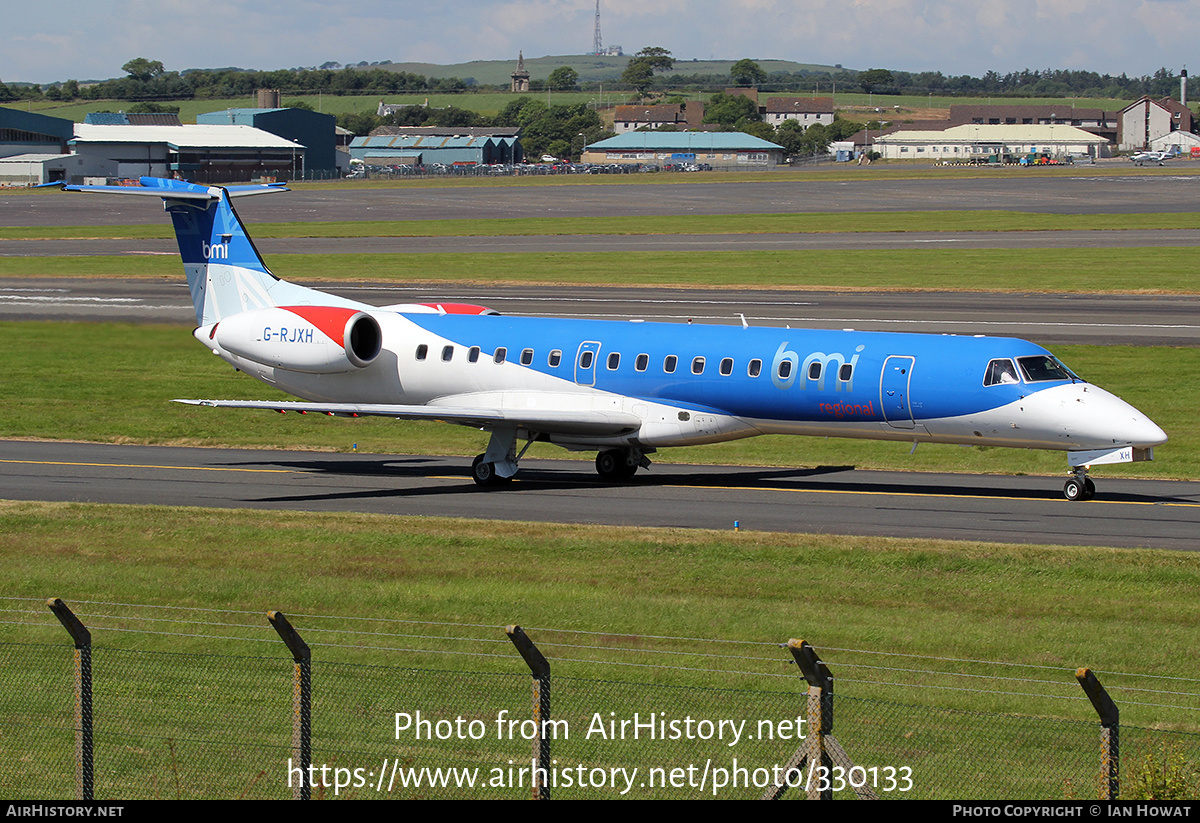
37, 148
719, 149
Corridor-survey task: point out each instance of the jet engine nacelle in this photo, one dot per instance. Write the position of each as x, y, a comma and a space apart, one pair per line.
313, 339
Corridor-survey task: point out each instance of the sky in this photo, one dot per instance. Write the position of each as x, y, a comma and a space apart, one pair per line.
92, 40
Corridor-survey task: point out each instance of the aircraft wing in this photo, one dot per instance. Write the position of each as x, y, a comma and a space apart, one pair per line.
591, 422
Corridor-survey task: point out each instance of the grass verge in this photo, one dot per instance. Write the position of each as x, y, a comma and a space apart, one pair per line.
1164, 269
633, 620
805, 223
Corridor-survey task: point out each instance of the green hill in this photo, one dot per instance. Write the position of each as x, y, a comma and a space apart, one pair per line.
591, 68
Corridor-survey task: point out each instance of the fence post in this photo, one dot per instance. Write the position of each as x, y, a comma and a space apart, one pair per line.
301, 704
84, 752
1110, 733
539, 668
820, 713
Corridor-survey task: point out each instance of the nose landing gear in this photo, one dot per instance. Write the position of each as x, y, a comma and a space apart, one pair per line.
1079, 486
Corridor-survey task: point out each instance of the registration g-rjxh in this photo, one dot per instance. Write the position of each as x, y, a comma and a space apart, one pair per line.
622, 389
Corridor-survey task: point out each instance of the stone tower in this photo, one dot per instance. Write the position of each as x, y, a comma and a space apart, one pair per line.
520, 77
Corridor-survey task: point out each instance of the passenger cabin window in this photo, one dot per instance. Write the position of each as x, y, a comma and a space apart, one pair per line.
1000, 372
755, 368
726, 366
555, 358
642, 361
585, 359
500, 355
447, 354
846, 372
1044, 367
697, 365
814, 370
670, 363
473, 354
526, 357
785, 369
422, 351
614, 360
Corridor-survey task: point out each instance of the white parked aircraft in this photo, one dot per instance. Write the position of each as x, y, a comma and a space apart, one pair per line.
1144, 157
622, 389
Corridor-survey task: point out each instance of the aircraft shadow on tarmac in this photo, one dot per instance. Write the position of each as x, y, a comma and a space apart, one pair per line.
542, 476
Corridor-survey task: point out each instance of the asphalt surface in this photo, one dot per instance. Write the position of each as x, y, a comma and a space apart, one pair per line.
832, 499
1048, 319
1151, 192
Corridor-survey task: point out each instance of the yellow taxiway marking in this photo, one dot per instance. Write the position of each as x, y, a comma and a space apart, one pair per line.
923, 494
664, 486
141, 466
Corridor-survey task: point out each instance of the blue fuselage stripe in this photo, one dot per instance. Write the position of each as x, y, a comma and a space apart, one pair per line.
802, 370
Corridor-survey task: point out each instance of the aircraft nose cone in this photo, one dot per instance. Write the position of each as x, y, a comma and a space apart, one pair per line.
1106, 419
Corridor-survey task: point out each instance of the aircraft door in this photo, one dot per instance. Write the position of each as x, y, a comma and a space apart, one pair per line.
894, 386
585, 363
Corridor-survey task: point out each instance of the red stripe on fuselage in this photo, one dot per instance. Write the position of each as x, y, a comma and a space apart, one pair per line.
331, 320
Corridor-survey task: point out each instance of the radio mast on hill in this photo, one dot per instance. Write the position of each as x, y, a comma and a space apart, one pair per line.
597, 43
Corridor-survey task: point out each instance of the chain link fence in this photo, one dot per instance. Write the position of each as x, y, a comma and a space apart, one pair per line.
221, 715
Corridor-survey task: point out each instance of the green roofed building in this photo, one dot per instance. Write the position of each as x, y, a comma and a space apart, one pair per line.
721, 150
428, 145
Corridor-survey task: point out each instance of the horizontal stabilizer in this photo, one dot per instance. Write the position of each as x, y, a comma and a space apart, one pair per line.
174, 189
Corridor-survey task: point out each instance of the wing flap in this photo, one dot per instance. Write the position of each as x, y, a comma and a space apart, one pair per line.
550, 421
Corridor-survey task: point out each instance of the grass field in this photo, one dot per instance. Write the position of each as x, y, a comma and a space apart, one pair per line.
420, 603
1117, 611
1160, 270
809, 223
855, 105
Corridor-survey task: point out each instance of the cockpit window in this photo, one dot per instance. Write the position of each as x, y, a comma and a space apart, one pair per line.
1044, 367
1000, 372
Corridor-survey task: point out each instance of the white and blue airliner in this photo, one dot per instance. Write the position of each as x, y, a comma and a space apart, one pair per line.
622, 389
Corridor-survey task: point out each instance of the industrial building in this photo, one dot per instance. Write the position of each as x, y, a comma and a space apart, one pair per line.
972, 142
315, 131
429, 145
203, 154
721, 150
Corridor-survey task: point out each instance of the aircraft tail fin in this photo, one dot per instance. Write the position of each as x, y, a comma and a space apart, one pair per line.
225, 272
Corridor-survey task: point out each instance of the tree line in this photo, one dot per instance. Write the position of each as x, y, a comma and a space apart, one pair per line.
146, 80
650, 69
560, 130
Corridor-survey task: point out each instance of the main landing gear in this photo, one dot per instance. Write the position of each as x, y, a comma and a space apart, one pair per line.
620, 464
498, 464
1079, 486
484, 473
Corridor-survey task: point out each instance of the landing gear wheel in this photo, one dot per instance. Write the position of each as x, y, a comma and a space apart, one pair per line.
1079, 489
483, 473
614, 464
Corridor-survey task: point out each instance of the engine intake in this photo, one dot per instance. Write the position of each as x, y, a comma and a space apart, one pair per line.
313, 339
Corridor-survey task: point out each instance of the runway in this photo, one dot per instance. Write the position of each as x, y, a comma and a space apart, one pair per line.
1150, 192
831, 500
1048, 319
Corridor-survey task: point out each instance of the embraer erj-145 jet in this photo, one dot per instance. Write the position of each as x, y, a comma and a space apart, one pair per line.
622, 389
